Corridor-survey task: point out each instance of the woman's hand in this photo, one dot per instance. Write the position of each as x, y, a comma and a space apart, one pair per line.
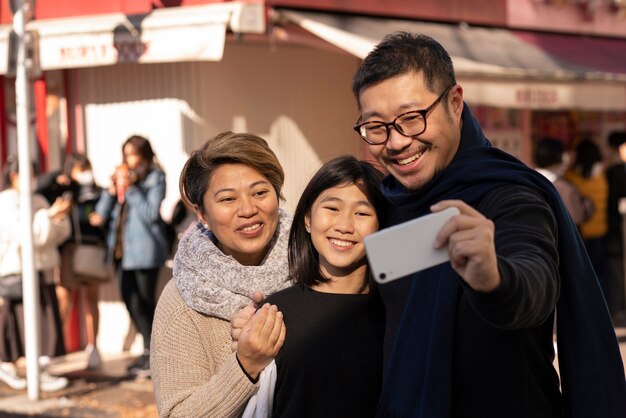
260, 340
242, 316
59, 209
95, 219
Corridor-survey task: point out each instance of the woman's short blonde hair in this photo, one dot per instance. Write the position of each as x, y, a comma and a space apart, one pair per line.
227, 148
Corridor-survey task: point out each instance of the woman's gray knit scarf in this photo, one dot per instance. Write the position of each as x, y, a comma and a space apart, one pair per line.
214, 283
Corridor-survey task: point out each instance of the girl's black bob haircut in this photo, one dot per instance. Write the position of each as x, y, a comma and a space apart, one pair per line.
304, 266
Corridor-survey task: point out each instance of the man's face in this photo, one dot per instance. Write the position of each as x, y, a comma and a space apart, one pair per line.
414, 161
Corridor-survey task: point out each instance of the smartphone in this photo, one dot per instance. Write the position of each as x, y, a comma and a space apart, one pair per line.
407, 248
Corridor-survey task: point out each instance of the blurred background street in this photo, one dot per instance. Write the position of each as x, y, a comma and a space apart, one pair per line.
94, 73
108, 392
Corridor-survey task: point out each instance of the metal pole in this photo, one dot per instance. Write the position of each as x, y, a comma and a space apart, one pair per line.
29, 277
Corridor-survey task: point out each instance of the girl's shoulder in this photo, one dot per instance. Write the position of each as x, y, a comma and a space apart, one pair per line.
288, 294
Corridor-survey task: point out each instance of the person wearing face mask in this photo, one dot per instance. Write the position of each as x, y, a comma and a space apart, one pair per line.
83, 192
136, 240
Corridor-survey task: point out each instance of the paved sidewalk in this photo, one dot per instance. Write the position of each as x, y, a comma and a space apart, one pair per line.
106, 393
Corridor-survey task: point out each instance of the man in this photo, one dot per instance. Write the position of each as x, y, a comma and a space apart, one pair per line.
616, 179
473, 337
549, 158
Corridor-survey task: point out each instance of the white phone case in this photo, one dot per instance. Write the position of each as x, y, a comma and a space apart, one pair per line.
407, 248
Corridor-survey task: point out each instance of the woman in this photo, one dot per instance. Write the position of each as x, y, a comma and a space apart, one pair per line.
233, 183
331, 362
587, 174
78, 177
50, 228
136, 241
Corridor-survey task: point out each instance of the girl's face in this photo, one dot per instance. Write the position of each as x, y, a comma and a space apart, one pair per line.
241, 209
340, 218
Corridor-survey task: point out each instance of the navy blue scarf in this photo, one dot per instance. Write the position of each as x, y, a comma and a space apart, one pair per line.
418, 378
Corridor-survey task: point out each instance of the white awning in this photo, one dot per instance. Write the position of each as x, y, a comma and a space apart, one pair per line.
498, 67
193, 33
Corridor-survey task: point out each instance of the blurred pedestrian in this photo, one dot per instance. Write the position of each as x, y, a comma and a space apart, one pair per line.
616, 179
84, 195
50, 227
136, 239
587, 174
551, 161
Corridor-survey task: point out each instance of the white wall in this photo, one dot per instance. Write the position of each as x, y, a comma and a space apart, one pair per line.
297, 98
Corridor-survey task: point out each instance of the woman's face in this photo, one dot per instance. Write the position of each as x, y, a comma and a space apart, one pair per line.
241, 209
132, 158
340, 218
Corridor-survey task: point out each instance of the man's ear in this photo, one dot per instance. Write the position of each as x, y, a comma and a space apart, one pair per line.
456, 101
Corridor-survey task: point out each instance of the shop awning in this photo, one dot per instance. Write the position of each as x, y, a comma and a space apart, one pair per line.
193, 33
498, 67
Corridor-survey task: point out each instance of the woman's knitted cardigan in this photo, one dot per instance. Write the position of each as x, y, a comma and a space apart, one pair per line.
194, 372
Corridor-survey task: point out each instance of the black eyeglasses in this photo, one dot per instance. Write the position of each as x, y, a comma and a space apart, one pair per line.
411, 123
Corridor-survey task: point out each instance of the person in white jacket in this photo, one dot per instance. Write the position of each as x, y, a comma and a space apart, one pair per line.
51, 227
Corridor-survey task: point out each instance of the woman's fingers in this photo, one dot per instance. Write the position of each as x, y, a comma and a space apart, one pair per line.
260, 339
270, 323
257, 298
281, 337
257, 321
237, 322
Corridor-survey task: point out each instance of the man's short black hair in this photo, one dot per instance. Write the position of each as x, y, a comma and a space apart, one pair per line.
617, 138
402, 52
548, 151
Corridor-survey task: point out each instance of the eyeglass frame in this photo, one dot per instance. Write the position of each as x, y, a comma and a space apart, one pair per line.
423, 113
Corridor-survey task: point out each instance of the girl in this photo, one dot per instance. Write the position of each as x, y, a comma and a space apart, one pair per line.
331, 362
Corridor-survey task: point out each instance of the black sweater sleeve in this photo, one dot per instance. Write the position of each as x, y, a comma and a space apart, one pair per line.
526, 247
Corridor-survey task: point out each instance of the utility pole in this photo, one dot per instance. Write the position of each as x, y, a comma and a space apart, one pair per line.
22, 12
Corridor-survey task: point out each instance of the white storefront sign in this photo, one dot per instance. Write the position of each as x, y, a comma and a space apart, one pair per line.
590, 95
198, 43
192, 33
